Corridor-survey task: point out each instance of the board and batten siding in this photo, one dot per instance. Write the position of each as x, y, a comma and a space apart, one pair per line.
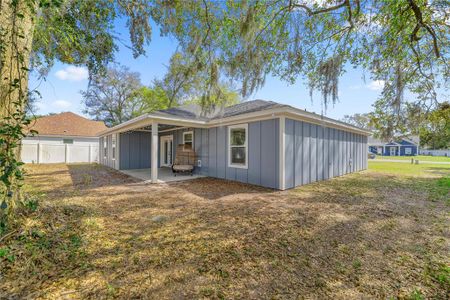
135, 150
263, 154
314, 153
211, 147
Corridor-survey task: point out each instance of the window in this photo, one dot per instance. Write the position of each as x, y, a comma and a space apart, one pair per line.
408, 151
67, 141
105, 148
238, 150
113, 146
188, 138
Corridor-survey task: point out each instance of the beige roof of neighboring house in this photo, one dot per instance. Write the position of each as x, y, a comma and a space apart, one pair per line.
67, 124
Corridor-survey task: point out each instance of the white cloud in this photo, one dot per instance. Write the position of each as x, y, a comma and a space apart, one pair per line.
376, 85
354, 87
62, 104
40, 105
73, 73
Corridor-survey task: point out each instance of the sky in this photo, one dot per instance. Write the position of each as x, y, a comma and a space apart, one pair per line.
60, 90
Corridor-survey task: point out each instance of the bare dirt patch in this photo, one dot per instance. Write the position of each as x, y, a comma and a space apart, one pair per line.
101, 234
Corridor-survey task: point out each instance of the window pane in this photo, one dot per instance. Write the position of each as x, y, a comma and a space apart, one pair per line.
238, 155
67, 141
237, 137
187, 138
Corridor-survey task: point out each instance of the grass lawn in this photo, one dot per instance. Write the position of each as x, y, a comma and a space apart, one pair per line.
381, 233
418, 157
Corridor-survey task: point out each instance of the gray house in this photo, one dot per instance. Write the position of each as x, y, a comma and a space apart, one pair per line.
257, 142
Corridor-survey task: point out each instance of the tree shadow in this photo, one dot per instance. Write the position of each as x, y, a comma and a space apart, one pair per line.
214, 188
349, 237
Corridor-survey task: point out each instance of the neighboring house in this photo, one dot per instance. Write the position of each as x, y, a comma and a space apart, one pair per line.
64, 137
257, 142
398, 147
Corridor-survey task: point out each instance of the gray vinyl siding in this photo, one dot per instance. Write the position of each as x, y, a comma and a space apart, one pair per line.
135, 150
108, 159
314, 152
297, 151
254, 159
211, 147
263, 156
269, 153
306, 154
221, 151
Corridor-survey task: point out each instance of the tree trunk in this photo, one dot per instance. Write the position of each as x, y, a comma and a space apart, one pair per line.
17, 22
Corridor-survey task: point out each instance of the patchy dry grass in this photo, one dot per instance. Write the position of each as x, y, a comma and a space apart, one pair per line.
99, 234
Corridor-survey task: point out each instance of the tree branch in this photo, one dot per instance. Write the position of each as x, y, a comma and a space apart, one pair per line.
419, 18
311, 12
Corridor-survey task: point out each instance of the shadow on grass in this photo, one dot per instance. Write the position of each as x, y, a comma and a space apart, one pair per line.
349, 237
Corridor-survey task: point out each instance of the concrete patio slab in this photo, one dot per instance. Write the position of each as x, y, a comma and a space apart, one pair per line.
164, 175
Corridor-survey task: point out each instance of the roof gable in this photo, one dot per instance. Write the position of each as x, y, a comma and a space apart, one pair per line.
406, 142
67, 124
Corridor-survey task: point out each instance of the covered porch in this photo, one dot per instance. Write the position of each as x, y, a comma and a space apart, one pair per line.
135, 147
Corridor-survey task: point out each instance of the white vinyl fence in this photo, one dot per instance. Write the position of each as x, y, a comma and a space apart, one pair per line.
65, 153
435, 152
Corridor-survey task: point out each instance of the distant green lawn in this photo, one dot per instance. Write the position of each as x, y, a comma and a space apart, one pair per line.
431, 178
419, 157
399, 168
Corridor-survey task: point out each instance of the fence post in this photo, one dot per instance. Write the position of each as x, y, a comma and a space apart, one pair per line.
90, 153
38, 153
66, 152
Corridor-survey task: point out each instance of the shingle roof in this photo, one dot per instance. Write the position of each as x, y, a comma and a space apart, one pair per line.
67, 124
375, 141
194, 112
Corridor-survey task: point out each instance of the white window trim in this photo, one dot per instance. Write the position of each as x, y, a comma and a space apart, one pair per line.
105, 147
113, 146
239, 166
187, 132
409, 149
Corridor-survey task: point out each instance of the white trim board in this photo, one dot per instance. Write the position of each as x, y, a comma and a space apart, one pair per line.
282, 149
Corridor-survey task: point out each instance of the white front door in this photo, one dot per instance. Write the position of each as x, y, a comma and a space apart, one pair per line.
392, 151
166, 150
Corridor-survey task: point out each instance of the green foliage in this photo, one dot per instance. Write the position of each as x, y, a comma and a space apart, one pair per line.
435, 133
228, 96
359, 120
112, 95
81, 32
416, 295
118, 95
403, 43
31, 204
180, 83
5, 253
12, 130
150, 99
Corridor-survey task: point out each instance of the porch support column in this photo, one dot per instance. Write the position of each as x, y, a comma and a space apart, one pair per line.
154, 162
